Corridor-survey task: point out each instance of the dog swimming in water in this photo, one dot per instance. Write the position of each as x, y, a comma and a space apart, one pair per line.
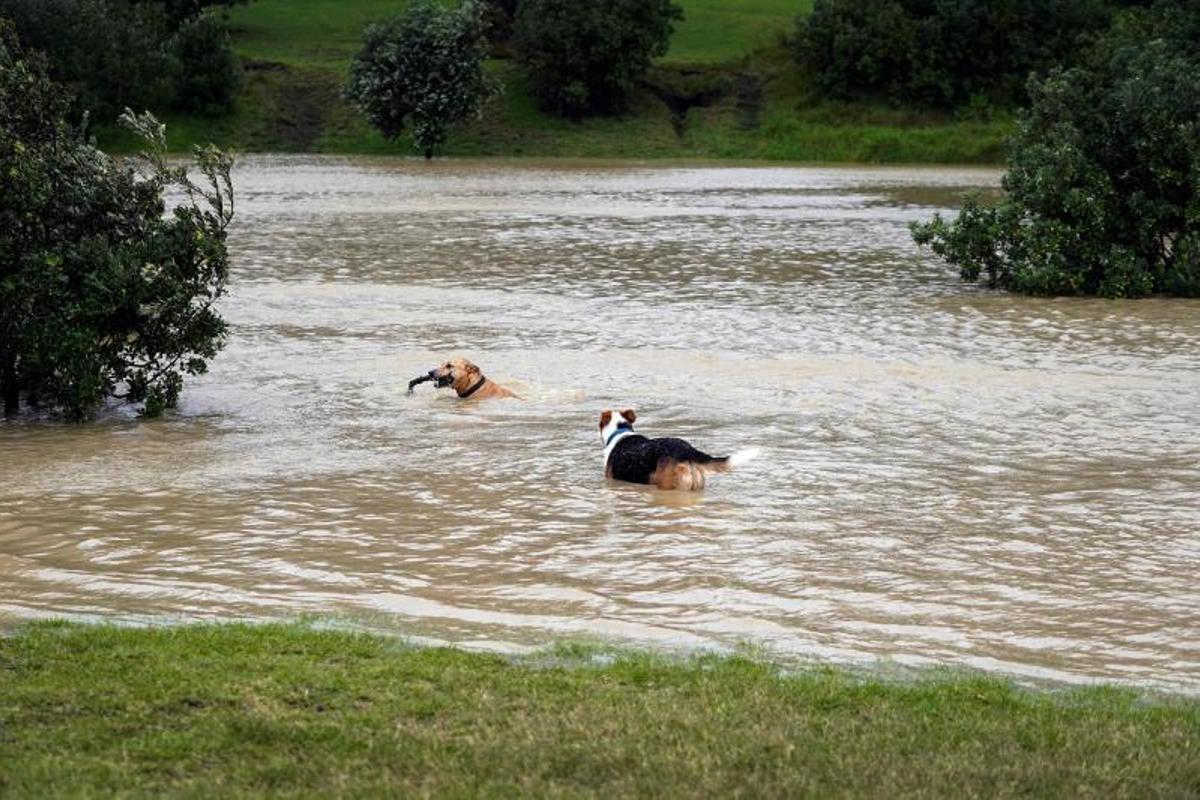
467, 380
666, 463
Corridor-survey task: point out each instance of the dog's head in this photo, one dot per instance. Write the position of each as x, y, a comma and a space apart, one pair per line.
612, 421
457, 373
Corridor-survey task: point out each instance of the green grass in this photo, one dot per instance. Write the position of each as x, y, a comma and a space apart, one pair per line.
326, 32
296, 54
714, 31
290, 711
306, 32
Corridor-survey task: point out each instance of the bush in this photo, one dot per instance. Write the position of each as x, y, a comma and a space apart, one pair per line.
498, 18
180, 11
110, 54
115, 54
583, 58
207, 74
1102, 188
101, 295
424, 69
940, 52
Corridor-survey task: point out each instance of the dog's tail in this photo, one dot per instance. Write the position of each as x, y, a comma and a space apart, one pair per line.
690, 475
729, 463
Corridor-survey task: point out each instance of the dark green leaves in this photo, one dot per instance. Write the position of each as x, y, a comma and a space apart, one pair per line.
101, 294
1103, 182
585, 58
422, 70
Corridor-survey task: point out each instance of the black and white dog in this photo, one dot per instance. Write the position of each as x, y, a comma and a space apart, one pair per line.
666, 463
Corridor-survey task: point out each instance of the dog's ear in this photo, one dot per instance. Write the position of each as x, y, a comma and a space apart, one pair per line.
605, 418
629, 415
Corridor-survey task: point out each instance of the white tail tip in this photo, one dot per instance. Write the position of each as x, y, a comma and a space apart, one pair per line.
743, 457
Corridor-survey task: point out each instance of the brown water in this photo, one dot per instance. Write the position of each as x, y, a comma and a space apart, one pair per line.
951, 476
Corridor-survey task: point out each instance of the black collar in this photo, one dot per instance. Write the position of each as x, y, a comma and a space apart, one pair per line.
473, 389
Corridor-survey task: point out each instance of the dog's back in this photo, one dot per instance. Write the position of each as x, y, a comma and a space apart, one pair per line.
667, 463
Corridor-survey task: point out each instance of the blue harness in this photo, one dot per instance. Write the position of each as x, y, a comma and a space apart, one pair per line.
624, 427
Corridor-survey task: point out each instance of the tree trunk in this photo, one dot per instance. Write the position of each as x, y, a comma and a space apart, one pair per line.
8, 384
428, 153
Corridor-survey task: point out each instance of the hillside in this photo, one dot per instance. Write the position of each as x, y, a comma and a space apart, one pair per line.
295, 54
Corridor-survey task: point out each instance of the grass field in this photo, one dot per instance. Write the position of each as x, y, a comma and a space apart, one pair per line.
296, 54
285, 710
325, 32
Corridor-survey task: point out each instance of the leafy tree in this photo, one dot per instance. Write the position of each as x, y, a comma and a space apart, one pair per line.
206, 72
940, 52
422, 69
114, 54
109, 53
180, 11
498, 18
1102, 188
583, 58
101, 294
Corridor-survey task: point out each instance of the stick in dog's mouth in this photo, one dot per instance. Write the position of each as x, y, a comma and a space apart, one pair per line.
415, 381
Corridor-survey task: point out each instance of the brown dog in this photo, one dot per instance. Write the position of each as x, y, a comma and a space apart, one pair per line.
467, 380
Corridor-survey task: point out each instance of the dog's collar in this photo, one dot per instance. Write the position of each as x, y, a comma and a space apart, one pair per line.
624, 427
473, 389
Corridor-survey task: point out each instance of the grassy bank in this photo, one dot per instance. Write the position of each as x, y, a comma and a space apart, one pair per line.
296, 54
287, 710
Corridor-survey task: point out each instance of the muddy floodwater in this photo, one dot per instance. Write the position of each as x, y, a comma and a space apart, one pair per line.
950, 476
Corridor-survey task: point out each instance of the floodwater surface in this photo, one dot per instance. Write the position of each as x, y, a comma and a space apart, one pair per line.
949, 476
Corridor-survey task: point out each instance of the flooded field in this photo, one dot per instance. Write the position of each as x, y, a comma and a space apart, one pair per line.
950, 476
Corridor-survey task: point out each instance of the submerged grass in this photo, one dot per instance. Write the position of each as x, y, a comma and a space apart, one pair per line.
296, 54
278, 709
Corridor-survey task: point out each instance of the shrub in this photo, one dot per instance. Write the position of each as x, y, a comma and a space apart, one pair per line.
114, 54
940, 52
207, 74
110, 54
180, 11
1102, 188
101, 295
423, 69
583, 58
498, 18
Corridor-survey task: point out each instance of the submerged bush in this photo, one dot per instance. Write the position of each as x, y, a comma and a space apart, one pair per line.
422, 69
101, 294
1103, 184
584, 58
940, 52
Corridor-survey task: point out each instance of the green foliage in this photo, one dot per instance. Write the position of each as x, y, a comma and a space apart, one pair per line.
101, 295
110, 54
423, 69
207, 73
582, 58
116, 54
180, 11
498, 17
940, 52
1102, 188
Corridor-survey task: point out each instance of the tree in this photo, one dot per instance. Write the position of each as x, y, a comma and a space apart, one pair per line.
116, 54
584, 58
1103, 184
180, 11
940, 52
206, 72
101, 294
422, 69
